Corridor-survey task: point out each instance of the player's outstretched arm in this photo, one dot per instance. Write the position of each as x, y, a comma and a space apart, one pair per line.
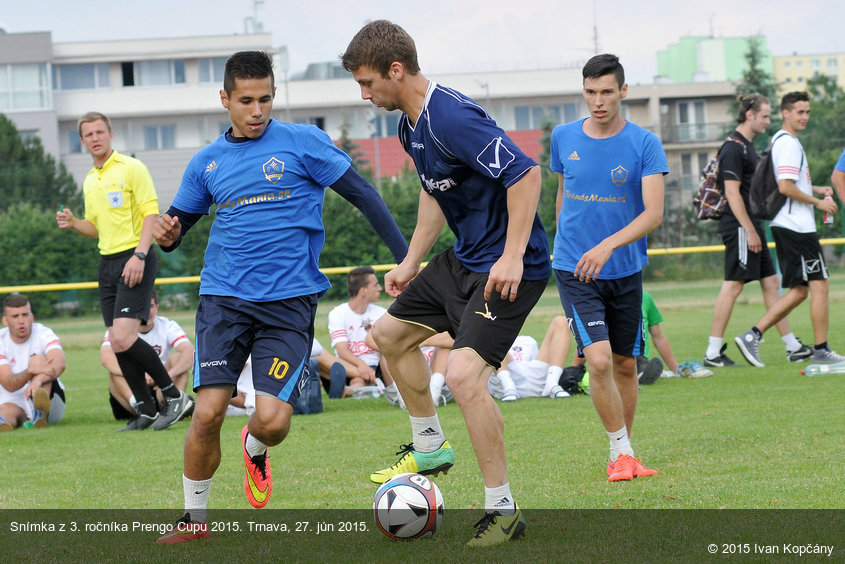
355, 189
430, 222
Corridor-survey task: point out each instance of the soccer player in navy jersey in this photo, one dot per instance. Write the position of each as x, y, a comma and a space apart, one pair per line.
610, 195
476, 180
261, 281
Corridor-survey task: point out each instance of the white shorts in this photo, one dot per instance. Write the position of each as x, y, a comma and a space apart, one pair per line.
529, 377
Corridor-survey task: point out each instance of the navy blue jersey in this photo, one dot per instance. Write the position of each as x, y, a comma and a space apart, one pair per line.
266, 240
466, 162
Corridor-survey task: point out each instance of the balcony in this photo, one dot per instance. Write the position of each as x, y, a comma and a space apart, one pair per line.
695, 132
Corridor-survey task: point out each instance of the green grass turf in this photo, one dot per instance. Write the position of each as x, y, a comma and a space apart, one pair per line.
744, 439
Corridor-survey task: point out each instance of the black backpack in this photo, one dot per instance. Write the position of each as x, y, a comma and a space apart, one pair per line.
710, 200
764, 196
570, 379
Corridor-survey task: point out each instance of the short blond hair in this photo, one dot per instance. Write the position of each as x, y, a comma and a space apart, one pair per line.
91, 117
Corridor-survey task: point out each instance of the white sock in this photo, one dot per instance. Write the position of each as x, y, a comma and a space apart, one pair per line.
428, 436
508, 387
792, 344
254, 447
714, 347
619, 444
499, 499
552, 379
196, 497
436, 385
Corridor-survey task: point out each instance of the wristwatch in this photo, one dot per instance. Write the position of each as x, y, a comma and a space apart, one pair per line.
140, 255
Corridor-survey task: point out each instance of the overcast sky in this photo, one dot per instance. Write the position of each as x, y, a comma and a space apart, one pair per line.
453, 35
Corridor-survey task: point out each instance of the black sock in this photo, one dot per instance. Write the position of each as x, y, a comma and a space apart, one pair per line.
134, 376
757, 332
821, 346
145, 356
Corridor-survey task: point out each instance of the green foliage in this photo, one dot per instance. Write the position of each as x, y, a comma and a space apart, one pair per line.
349, 147
756, 79
27, 174
547, 208
36, 251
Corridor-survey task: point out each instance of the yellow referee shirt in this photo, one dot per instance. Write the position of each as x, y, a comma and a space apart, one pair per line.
117, 199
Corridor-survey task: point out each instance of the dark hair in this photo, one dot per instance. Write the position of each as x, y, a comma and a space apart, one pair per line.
751, 102
247, 64
602, 65
789, 99
357, 279
377, 45
14, 300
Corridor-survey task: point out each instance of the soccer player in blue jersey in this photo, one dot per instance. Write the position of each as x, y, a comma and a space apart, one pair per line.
610, 195
476, 180
260, 283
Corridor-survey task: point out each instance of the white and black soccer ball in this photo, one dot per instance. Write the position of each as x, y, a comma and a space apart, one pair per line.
408, 506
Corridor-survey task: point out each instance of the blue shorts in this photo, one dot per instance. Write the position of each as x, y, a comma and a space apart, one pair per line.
278, 335
604, 310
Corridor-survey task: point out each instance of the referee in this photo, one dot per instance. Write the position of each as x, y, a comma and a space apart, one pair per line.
121, 207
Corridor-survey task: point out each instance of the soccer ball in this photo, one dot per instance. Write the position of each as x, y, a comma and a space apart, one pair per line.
408, 506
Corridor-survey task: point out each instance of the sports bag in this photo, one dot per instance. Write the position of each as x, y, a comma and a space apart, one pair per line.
764, 196
710, 200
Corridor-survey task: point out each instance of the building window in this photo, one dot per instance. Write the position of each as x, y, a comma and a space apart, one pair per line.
799, 64
536, 117
787, 64
692, 121
815, 64
24, 87
79, 77
211, 70
159, 136
153, 73
74, 144
788, 80
381, 124
831, 63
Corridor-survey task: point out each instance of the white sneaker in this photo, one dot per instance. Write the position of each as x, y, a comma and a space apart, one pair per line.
510, 395
558, 392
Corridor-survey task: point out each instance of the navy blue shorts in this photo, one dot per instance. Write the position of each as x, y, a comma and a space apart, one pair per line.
604, 310
278, 335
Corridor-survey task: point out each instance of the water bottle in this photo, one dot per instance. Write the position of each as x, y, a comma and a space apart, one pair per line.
818, 369
366, 392
828, 217
27, 425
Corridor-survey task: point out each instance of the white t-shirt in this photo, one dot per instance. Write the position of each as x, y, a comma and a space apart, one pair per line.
41, 341
790, 162
346, 325
165, 336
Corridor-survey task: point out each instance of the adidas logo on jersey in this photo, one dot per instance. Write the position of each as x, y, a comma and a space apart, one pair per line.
573, 156
211, 166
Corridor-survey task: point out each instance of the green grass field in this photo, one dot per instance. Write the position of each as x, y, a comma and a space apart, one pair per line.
746, 438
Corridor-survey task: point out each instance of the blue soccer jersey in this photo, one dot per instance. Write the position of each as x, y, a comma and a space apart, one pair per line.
466, 162
266, 240
602, 192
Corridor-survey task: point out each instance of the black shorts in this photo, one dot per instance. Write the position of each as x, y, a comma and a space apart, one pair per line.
604, 310
278, 334
447, 296
116, 298
800, 257
742, 265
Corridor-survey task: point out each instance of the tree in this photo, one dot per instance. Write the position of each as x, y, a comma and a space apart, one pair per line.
547, 207
27, 174
756, 79
349, 147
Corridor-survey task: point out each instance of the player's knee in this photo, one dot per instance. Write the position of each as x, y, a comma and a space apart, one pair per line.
207, 418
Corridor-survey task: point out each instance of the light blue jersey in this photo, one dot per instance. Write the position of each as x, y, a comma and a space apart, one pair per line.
266, 240
602, 192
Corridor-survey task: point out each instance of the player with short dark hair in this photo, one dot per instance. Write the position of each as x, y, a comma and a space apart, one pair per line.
476, 180
261, 280
610, 196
